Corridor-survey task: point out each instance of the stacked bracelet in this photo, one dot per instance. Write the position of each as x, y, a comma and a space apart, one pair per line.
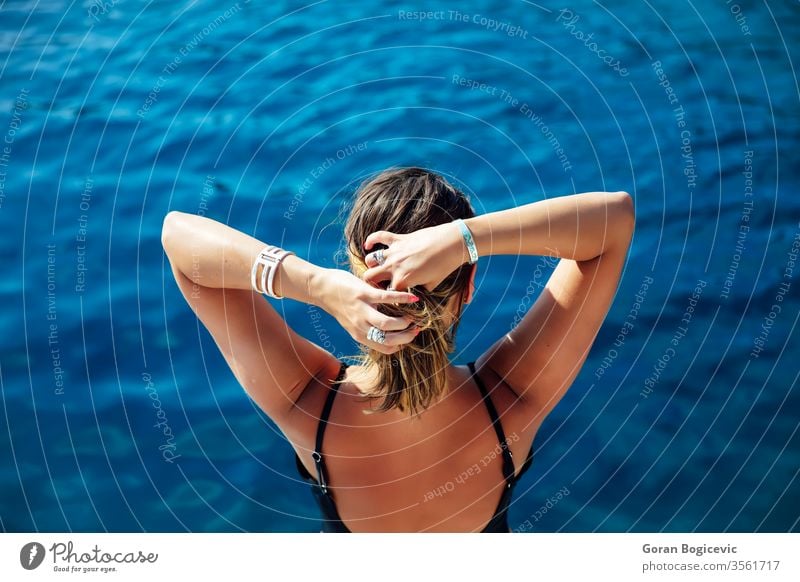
268, 259
468, 240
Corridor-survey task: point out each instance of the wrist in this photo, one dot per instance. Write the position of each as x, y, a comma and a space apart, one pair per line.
456, 245
317, 286
480, 239
294, 279
469, 251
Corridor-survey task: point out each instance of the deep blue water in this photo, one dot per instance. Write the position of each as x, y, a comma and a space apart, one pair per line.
113, 113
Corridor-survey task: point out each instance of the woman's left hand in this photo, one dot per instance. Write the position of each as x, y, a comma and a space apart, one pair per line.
353, 303
424, 257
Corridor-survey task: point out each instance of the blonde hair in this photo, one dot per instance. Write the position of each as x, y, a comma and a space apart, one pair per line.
402, 201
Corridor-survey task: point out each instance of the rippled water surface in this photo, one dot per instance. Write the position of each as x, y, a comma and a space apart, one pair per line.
266, 115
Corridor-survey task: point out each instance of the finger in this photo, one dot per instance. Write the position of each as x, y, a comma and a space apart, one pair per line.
387, 323
380, 296
379, 236
400, 338
377, 274
371, 260
393, 340
397, 283
367, 340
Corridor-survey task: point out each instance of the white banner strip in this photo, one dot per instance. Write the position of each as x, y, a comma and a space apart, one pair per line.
400, 557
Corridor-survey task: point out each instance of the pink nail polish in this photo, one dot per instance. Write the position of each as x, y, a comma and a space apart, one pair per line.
414, 299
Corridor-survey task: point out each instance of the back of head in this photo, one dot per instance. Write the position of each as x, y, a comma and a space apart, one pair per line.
402, 201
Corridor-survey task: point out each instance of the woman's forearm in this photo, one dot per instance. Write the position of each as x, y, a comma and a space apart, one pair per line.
212, 254
578, 227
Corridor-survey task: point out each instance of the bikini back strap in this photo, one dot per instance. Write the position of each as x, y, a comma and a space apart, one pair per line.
508, 463
319, 462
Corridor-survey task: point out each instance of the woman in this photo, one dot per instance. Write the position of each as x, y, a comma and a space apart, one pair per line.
407, 441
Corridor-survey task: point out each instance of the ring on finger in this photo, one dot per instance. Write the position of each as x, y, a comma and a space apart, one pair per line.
379, 258
376, 335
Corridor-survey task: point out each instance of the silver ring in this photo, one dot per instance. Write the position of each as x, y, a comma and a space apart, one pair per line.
376, 335
379, 256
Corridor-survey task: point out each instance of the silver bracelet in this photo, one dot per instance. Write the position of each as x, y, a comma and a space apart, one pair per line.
268, 259
468, 240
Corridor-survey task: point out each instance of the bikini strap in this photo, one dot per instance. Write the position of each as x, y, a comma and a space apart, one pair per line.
319, 462
527, 464
508, 463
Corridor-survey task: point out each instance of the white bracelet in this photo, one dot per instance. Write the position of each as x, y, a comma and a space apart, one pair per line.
268, 259
469, 241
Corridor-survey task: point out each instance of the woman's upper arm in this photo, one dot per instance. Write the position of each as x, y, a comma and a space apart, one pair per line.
540, 358
271, 362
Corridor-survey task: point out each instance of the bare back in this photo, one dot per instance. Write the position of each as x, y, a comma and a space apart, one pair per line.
389, 472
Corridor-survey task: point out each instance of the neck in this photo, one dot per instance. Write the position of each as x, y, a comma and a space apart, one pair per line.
366, 379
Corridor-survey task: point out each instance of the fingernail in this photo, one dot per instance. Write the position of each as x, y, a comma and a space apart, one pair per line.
414, 299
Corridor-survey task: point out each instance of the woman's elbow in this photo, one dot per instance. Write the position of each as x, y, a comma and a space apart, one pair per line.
169, 230
622, 218
625, 212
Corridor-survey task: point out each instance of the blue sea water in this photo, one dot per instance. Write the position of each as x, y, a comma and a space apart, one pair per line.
265, 115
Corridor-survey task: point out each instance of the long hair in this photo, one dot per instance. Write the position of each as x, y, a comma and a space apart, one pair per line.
402, 201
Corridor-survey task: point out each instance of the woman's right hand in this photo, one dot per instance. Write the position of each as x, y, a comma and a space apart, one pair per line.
355, 304
424, 257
